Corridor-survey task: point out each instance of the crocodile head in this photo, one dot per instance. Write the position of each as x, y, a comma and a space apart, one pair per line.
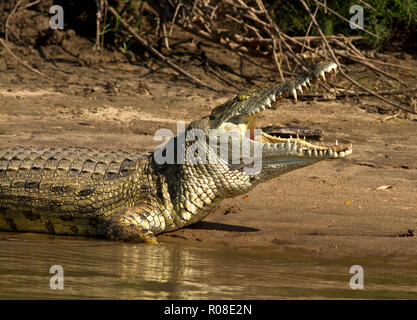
271, 156
279, 155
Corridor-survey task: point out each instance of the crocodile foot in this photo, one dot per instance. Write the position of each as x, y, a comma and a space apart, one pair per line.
130, 225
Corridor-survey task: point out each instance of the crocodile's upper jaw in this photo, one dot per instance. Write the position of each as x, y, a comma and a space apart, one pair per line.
241, 114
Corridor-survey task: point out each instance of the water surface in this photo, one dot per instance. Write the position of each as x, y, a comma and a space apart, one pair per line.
99, 269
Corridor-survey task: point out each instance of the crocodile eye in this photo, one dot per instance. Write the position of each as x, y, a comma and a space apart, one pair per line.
241, 97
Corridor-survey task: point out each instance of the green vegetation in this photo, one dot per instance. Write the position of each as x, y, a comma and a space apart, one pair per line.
394, 21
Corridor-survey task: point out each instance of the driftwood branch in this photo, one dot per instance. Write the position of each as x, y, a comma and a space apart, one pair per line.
6, 31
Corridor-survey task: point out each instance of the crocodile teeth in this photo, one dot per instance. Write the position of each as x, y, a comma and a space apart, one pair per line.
299, 88
308, 81
268, 102
305, 85
336, 143
294, 94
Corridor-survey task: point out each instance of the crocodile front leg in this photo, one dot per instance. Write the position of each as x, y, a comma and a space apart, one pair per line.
134, 224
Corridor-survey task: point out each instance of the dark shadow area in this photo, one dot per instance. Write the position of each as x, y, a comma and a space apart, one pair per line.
205, 225
80, 16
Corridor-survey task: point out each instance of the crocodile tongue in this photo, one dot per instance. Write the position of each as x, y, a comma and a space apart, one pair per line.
249, 125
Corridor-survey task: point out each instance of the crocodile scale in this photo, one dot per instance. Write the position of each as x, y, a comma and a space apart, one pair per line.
76, 187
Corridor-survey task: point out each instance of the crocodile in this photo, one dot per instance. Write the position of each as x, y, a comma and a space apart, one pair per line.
126, 196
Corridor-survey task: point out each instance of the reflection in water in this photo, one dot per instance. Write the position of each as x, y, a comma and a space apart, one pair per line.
107, 270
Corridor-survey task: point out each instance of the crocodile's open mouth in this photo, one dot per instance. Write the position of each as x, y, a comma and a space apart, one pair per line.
297, 145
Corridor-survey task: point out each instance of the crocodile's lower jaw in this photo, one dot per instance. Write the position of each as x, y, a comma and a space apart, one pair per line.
304, 148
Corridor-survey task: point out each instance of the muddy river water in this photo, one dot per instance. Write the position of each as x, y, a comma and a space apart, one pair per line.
98, 269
